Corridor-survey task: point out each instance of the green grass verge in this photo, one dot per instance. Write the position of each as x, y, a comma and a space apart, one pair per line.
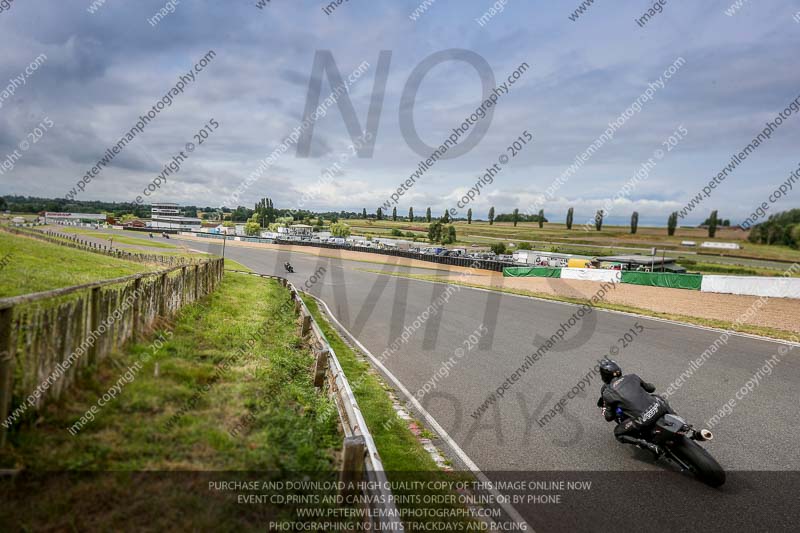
33, 266
721, 324
402, 454
399, 448
230, 264
227, 397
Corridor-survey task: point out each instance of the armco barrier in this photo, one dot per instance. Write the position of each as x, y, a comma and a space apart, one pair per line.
591, 274
537, 272
664, 279
783, 287
360, 459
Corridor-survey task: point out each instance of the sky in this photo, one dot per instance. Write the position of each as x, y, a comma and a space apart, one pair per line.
106, 68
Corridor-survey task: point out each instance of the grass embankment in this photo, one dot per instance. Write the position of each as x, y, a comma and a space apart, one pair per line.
133, 245
33, 266
733, 270
399, 448
720, 324
403, 456
230, 264
218, 395
117, 236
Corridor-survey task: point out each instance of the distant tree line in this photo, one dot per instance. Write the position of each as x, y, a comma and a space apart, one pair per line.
33, 204
517, 217
780, 228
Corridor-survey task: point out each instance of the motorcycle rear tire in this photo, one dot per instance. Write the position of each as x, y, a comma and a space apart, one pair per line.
703, 465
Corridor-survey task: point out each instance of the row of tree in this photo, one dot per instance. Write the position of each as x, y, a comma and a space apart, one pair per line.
780, 229
514, 217
712, 222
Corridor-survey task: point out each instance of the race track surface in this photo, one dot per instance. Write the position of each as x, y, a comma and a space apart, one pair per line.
755, 442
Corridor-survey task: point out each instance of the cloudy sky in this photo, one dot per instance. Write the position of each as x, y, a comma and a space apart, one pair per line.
105, 69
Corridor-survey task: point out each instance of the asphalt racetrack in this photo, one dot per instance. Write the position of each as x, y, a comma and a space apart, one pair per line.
755, 442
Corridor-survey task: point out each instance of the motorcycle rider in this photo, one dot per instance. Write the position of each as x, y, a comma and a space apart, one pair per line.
288, 267
629, 400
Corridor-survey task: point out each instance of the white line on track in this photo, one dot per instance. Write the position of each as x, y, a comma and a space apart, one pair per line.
512, 512
614, 311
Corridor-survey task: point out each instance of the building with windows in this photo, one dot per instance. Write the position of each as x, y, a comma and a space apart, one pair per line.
166, 215
300, 230
74, 218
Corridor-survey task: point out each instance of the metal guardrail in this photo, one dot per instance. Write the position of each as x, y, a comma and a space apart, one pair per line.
360, 459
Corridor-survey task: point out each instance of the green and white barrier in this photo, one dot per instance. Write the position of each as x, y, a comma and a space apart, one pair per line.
591, 274
536, 272
773, 287
664, 279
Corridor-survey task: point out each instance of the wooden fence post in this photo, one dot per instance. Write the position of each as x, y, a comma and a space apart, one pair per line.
306, 325
7, 356
196, 282
183, 285
94, 321
352, 464
162, 296
137, 284
320, 366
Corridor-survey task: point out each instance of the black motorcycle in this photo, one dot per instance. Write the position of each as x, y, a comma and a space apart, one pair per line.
289, 268
679, 441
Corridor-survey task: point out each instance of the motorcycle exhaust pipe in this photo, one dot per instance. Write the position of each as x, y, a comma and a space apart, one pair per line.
703, 435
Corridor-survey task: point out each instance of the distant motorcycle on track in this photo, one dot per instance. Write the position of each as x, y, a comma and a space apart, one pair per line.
289, 268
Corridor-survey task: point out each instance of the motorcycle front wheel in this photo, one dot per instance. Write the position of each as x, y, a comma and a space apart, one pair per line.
702, 464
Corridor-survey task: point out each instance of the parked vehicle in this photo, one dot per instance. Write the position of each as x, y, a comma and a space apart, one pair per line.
579, 263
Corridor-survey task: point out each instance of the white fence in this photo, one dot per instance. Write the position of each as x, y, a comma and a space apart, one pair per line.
592, 274
752, 286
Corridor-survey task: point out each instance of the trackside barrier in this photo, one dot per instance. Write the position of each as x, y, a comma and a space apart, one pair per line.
46, 337
360, 459
783, 287
591, 274
537, 272
467, 262
664, 279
